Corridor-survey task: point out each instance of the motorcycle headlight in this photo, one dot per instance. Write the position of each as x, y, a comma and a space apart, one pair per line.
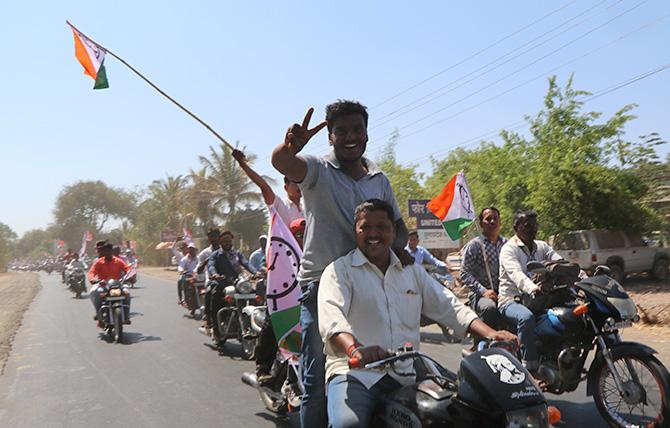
114, 292
244, 287
530, 417
626, 307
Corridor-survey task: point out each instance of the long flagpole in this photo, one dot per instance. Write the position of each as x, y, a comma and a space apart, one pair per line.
160, 91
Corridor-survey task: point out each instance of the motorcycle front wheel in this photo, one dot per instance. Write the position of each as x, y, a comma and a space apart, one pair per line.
118, 325
644, 399
247, 339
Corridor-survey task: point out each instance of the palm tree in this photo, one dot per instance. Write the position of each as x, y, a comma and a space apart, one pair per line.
200, 195
230, 186
170, 195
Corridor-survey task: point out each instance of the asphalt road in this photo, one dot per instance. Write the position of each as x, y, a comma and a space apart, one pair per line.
63, 373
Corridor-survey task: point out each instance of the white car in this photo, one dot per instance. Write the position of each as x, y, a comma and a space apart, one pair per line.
624, 253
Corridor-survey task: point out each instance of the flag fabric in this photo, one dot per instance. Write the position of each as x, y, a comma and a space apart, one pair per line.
282, 261
187, 236
88, 237
92, 57
60, 243
454, 206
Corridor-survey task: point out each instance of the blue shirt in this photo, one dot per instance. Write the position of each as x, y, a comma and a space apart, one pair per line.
257, 259
421, 256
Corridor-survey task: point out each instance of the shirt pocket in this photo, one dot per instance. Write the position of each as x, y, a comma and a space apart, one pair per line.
407, 304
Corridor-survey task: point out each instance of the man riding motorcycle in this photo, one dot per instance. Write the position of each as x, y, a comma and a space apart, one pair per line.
354, 316
104, 269
186, 269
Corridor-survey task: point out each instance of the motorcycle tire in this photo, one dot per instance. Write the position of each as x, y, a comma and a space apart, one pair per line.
248, 342
660, 378
279, 407
118, 325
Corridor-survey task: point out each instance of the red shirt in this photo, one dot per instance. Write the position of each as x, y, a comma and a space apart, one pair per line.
104, 270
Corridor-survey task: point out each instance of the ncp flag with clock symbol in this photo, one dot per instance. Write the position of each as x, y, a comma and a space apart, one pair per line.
282, 258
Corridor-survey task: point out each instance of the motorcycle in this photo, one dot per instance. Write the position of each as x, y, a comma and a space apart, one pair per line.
282, 393
491, 389
113, 308
629, 385
231, 319
194, 293
76, 281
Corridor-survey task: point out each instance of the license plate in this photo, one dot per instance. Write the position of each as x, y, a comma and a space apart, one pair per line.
114, 299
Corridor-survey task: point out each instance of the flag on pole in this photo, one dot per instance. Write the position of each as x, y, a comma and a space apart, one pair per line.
92, 57
88, 237
282, 261
187, 235
454, 206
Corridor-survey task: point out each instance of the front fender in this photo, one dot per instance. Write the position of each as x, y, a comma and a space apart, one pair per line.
633, 349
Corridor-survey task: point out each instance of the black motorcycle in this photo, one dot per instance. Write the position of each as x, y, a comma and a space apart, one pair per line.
491, 389
629, 385
112, 312
282, 393
231, 321
76, 281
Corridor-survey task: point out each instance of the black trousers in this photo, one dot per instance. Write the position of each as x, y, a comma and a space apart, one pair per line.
266, 347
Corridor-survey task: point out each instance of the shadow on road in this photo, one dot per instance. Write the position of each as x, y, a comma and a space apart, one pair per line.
290, 421
130, 338
438, 339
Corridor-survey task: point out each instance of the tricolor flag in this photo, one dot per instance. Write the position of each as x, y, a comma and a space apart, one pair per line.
92, 57
454, 206
282, 261
88, 236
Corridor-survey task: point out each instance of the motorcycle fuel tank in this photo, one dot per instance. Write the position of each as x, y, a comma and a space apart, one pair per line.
494, 380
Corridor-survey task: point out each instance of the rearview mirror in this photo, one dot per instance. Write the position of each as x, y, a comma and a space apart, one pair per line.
602, 270
535, 267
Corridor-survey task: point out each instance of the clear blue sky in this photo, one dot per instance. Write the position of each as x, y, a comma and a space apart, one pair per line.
252, 68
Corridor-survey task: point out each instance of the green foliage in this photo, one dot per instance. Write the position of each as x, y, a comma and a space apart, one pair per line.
247, 224
35, 244
7, 238
88, 206
563, 169
405, 180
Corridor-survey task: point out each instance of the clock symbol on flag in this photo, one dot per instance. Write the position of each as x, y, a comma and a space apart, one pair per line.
283, 267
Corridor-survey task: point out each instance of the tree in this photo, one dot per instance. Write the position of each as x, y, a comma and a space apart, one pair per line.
405, 180
170, 195
35, 243
200, 196
7, 238
88, 206
564, 169
229, 185
248, 224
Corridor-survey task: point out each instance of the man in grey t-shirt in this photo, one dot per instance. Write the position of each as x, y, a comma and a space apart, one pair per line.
332, 187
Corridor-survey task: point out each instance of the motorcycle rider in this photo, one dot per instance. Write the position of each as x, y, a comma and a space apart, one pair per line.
480, 268
356, 319
420, 254
104, 269
332, 186
515, 279
99, 247
224, 266
214, 238
186, 269
257, 258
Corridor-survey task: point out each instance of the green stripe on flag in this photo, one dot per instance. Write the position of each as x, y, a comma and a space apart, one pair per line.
455, 228
101, 80
283, 321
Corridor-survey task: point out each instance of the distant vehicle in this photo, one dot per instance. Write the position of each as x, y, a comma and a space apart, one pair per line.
624, 253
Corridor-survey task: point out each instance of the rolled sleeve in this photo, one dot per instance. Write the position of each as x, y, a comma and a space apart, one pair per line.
510, 263
334, 301
441, 305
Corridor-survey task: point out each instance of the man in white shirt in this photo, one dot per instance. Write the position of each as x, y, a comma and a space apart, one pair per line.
214, 238
187, 267
368, 304
289, 209
515, 280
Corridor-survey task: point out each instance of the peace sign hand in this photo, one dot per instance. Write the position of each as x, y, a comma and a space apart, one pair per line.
298, 135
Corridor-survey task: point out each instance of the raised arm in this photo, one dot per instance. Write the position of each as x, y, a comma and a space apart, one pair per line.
266, 190
285, 157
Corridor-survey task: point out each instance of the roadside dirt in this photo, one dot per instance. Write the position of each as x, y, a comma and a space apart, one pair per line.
17, 290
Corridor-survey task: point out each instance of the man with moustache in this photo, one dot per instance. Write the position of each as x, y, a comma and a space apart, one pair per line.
480, 268
332, 187
515, 280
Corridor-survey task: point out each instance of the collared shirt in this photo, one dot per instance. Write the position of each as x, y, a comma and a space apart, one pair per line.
381, 309
514, 278
237, 259
187, 264
104, 270
473, 268
257, 259
287, 210
331, 196
204, 257
421, 256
